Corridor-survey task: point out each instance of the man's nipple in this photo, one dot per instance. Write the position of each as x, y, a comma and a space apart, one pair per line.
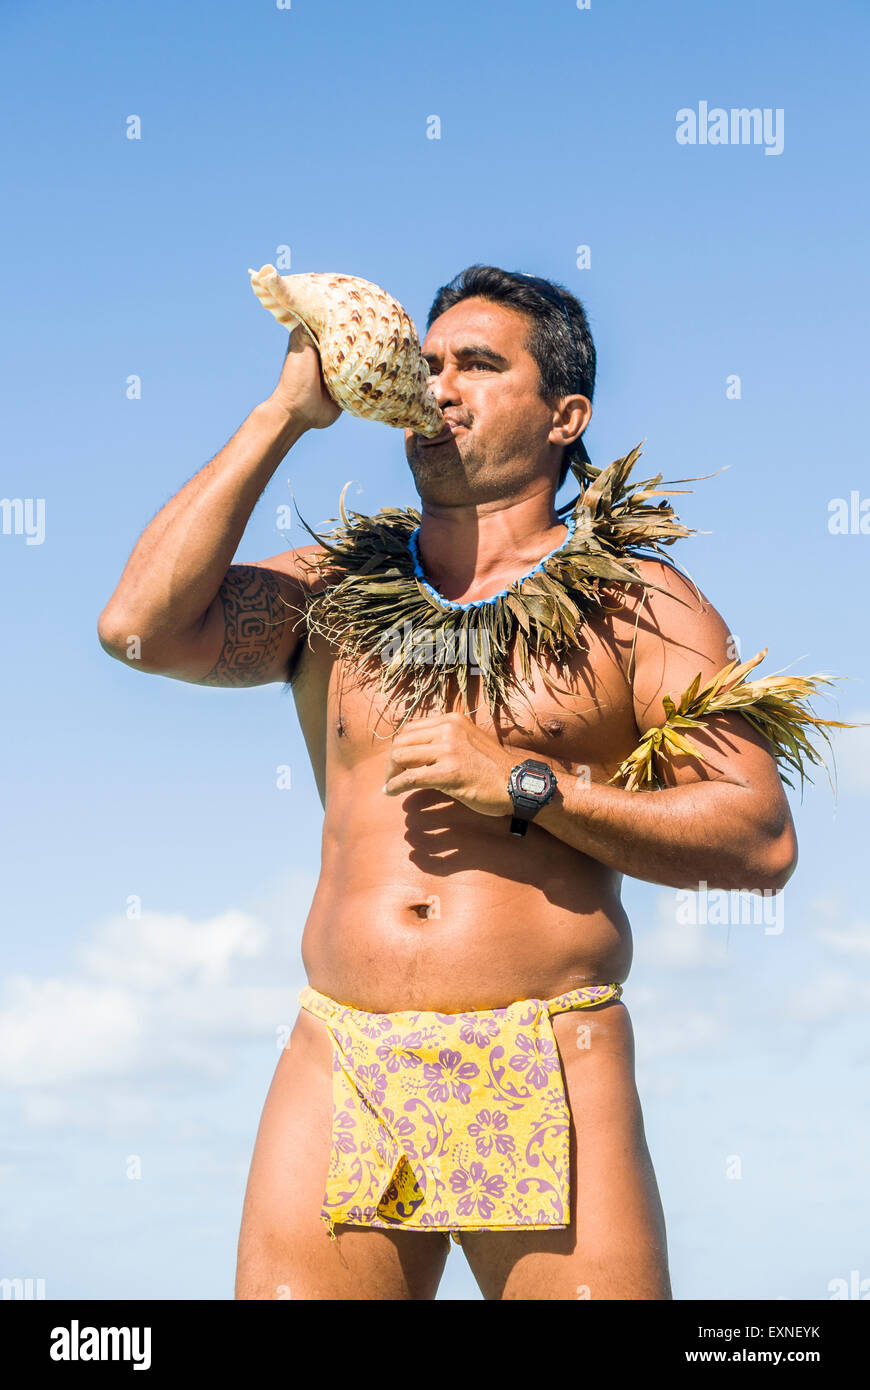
553, 727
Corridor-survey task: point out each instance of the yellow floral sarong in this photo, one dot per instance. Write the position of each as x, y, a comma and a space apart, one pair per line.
449, 1122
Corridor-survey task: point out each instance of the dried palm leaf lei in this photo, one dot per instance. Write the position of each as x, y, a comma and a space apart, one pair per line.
374, 605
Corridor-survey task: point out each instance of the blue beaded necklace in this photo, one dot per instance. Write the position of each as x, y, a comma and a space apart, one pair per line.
414, 548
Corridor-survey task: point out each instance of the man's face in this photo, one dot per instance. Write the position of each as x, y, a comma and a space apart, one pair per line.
487, 384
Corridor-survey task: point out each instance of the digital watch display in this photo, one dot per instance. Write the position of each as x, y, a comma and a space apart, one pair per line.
531, 786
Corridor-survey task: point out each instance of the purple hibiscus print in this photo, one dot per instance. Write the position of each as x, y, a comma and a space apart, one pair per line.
342, 1133
449, 1076
478, 1029
478, 1190
397, 1051
361, 1214
404, 1130
438, 1218
372, 1025
537, 1058
488, 1130
375, 1079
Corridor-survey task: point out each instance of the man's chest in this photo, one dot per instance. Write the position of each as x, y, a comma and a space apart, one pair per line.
578, 718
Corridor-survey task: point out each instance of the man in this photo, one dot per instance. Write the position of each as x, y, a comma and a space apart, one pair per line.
428, 908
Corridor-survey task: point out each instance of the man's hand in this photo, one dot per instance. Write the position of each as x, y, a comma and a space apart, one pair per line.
301, 392
448, 753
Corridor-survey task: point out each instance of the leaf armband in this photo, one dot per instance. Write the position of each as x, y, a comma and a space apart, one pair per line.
778, 707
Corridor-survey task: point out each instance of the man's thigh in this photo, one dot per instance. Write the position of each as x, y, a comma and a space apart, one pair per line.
284, 1246
616, 1246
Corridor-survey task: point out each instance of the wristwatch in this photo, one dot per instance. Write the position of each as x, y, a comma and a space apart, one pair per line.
531, 785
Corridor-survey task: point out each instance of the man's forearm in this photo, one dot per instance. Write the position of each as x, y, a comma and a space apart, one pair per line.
679, 836
725, 833
180, 559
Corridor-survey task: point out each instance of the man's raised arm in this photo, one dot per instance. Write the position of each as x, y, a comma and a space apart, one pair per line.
727, 821
181, 608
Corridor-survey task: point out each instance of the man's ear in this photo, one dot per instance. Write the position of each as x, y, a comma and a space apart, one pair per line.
571, 415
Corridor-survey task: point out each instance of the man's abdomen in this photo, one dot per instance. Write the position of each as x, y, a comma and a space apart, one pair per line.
423, 903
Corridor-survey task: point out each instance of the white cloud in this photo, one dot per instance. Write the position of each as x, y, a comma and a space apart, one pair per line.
848, 941
665, 1026
666, 1032
102, 1105
830, 994
155, 994
52, 1031
675, 945
159, 950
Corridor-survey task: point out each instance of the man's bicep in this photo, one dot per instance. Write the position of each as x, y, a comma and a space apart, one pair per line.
248, 628
679, 636
252, 628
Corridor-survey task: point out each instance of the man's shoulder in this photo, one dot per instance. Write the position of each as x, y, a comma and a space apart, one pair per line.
301, 568
661, 580
665, 614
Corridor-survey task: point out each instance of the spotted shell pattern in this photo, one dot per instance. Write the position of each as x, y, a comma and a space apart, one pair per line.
369, 349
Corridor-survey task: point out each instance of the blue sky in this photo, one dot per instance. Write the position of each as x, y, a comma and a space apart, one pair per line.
156, 1036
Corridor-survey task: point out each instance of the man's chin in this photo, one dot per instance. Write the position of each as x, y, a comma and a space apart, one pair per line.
422, 445
426, 455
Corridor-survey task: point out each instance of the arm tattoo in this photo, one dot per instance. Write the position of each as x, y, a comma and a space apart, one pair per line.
254, 618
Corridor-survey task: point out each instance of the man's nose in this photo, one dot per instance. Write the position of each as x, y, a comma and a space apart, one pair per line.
445, 386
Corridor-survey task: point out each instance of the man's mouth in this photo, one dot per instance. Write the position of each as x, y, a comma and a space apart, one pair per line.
448, 432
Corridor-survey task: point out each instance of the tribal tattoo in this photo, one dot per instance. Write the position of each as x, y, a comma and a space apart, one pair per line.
254, 616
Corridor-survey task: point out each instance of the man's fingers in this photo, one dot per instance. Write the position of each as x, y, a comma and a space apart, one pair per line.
298, 338
432, 736
412, 779
414, 754
409, 767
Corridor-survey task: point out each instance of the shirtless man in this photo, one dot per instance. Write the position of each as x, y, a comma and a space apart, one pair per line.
425, 815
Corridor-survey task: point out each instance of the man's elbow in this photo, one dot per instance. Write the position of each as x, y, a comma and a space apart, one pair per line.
121, 638
116, 635
108, 634
780, 861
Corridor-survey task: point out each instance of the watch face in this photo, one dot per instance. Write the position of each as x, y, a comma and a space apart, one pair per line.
532, 782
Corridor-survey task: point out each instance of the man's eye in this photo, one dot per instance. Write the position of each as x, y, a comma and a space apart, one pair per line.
481, 362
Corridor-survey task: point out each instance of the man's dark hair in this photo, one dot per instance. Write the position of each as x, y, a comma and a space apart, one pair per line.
565, 356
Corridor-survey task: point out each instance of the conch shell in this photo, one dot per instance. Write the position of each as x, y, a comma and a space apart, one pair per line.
368, 345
